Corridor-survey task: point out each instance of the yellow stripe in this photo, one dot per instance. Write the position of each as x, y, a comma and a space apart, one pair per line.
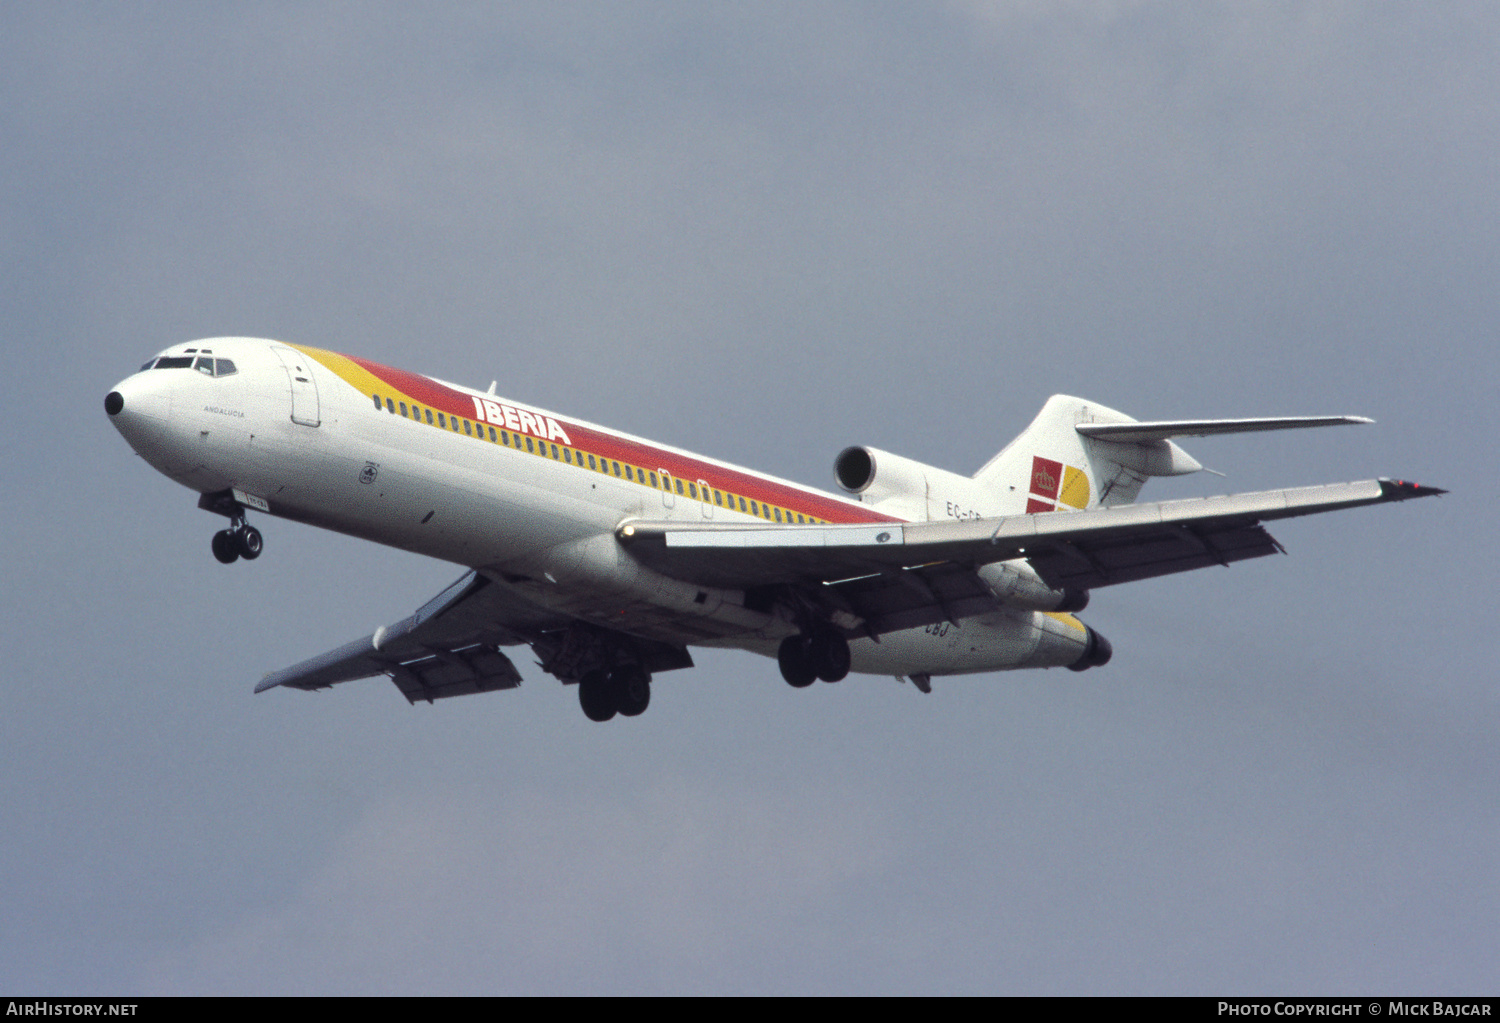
350, 372
1066, 619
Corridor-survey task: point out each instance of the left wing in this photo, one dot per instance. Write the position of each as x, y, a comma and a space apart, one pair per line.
450, 646
902, 574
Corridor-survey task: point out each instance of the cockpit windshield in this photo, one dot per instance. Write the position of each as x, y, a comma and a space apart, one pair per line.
207, 365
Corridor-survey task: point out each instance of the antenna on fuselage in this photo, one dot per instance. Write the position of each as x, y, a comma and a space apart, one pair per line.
492, 387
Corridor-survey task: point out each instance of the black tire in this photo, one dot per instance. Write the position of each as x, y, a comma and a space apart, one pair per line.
829, 653
225, 549
795, 659
632, 688
249, 542
597, 697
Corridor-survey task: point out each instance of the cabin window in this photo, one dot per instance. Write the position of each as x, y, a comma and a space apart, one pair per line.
529, 446
653, 479
492, 434
429, 417
467, 428
390, 406
453, 423
555, 455
742, 504
754, 508
403, 410
693, 491
679, 485
718, 499
778, 514
591, 462
442, 422
628, 474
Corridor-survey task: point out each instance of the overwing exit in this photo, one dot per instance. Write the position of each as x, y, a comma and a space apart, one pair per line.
609, 556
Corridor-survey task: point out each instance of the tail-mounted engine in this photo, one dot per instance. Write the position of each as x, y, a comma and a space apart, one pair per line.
907, 488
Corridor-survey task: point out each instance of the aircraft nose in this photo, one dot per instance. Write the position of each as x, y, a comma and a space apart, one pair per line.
140, 407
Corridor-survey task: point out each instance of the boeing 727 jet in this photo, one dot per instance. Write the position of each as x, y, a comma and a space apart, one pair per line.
609, 555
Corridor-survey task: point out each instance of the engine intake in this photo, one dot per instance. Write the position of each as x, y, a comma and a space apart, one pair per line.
854, 468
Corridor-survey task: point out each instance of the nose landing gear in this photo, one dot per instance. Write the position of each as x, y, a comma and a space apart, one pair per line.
240, 541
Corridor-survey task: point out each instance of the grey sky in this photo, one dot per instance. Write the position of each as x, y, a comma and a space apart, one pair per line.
762, 231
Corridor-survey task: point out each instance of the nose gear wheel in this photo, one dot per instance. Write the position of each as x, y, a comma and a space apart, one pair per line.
240, 540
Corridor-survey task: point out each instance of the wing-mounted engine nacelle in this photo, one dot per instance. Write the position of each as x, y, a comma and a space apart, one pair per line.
904, 487
1016, 583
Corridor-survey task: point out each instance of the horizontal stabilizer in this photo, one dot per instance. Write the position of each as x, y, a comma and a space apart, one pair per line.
1145, 433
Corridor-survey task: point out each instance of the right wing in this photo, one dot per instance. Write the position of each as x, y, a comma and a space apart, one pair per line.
905, 574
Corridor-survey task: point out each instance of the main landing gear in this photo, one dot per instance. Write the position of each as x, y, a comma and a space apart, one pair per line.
625, 689
241, 540
821, 653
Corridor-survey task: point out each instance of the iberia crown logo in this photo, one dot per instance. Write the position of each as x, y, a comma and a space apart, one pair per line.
1054, 485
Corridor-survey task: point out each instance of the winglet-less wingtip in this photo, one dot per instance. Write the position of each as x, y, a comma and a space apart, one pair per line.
1401, 490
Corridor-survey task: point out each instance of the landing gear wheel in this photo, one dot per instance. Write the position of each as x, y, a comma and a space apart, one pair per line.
597, 697
795, 658
226, 550
248, 542
828, 651
632, 688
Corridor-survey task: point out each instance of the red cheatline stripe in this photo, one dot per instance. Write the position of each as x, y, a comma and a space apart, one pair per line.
425, 391
419, 388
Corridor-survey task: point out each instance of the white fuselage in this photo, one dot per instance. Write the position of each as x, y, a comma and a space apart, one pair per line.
529, 498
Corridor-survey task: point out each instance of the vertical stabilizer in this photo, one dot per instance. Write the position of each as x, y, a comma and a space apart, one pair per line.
1051, 466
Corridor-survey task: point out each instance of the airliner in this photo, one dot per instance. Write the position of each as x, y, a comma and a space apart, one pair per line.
609, 556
